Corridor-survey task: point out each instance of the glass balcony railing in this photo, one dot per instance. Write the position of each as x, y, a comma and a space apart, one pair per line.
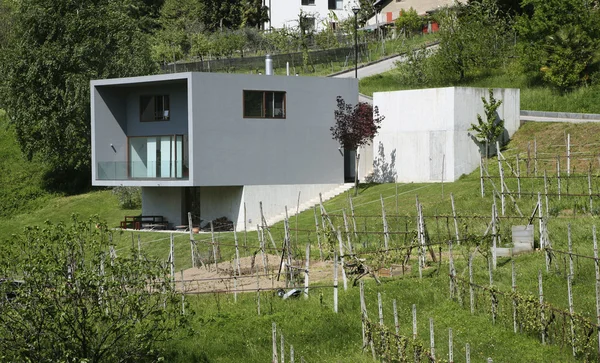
122, 170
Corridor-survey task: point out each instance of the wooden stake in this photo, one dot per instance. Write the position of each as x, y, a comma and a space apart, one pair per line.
386, 236
501, 171
245, 228
214, 245
546, 192
518, 176
455, 219
571, 266
306, 270
274, 335
257, 290
494, 237
139, 245
571, 312
347, 231
597, 269
514, 290
318, 234
172, 258
481, 185
341, 245
335, 282
540, 217
237, 253
535, 158
528, 156
414, 321
590, 191
397, 326
542, 317
471, 292
282, 348
450, 347
451, 267
568, 154
291, 354
353, 217
558, 174
192, 242
468, 353
431, 339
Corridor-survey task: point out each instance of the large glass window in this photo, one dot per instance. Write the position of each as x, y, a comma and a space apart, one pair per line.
264, 104
154, 108
157, 157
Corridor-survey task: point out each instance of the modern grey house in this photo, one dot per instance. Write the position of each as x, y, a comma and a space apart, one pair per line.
218, 144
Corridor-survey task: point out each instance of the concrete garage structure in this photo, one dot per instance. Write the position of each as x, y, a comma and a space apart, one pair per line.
211, 144
428, 129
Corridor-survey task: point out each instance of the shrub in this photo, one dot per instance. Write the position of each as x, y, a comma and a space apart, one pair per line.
129, 197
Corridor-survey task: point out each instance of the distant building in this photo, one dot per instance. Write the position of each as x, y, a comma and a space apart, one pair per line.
320, 14
215, 144
389, 10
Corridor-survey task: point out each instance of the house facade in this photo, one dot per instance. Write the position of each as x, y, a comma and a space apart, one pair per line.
390, 9
217, 144
319, 14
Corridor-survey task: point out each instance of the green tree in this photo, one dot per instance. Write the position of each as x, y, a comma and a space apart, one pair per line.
408, 22
254, 14
77, 302
57, 48
490, 129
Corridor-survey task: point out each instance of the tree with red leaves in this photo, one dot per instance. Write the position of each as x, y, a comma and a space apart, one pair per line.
355, 126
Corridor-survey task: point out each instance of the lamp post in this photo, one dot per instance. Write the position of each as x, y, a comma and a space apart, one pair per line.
355, 10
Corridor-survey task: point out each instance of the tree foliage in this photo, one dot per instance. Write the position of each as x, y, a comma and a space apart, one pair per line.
409, 22
78, 303
355, 125
490, 129
57, 48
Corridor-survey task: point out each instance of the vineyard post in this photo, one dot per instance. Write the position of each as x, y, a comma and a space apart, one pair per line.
288, 250
541, 227
172, 257
335, 282
317, 232
468, 353
347, 230
386, 236
353, 218
494, 238
274, 335
481, 187
528, 156
535, 158
492, 297
282, 348
297, 212
471, 292
192, 242
235, 289
590, 190
245, 228
514, 290
363, 309
261, 238
237, 253
546, 191
558, 175
414, 321
450, 347
397, 326
501, 171
571, 313
380, 311
306, 270
341, 245
568, 154
291, 354
214, 246
431, 339
257, 290
570, 242
182, 282
597, 269
266, 226
451, 267
139, 244
542, 316
518, 176
455, 219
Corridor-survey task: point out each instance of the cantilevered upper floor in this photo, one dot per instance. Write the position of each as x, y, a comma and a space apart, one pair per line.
208, 129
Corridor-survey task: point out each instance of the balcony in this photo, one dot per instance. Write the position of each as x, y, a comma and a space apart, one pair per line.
139, 170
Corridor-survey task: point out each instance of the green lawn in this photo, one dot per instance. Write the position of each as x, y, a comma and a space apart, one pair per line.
533, 97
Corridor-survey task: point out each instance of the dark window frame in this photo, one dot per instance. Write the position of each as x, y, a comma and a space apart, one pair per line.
264, 104
307, 2
162, 109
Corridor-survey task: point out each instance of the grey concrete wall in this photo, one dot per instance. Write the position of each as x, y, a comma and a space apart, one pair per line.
216, 202
109, 107
164, 201
229, 149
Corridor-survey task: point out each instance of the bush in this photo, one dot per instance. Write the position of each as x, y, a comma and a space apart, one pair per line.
129, 197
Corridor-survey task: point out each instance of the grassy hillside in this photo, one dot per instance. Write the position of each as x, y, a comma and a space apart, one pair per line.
533, 97
227, 331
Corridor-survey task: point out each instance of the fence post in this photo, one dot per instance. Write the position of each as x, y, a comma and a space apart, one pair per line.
494, 238
432, 339
568, 154
590, 190
386, 236
397, 326
455, 219
546, 192
306, 271
558, 175
514, 290
450, 347
570, 242
468, 353
501, 171
318, 234
481, 185
471, 292
597, 269
542, 317
282, 348
214, 246
335, 282
535, 158
571, 313
341, 245
274, 335
518, 176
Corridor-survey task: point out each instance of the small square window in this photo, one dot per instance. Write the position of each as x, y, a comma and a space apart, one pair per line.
308, 2
155, 108
264, 104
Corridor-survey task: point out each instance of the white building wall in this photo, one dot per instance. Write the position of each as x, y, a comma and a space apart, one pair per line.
217, 202
164, 201
285, 13
428, 128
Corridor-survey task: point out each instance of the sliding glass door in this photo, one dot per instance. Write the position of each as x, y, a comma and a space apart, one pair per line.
156, 157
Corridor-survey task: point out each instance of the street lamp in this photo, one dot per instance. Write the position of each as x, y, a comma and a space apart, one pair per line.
355, 10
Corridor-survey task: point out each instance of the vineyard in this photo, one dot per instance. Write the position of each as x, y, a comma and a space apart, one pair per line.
414, 272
